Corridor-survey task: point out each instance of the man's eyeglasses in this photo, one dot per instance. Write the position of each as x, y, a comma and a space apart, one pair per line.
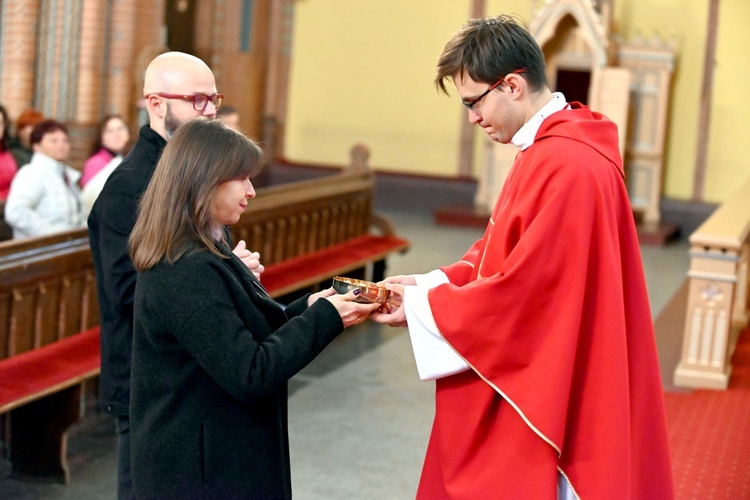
200, 101
470, 104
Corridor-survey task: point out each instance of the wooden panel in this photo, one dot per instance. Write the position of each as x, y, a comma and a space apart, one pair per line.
48, 285
610, 95
47, 312
21, 331
5, 308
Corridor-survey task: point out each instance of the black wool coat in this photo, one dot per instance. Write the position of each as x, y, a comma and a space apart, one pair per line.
212, 354
111, 220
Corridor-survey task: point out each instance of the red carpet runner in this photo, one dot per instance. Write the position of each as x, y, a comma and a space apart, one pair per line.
709, 435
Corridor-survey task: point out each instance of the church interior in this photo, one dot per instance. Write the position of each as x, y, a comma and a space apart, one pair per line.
341, 88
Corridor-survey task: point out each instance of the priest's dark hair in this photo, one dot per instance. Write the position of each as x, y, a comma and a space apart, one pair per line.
488, 49
175, 211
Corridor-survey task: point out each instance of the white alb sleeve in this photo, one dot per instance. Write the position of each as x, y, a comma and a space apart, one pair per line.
435, 358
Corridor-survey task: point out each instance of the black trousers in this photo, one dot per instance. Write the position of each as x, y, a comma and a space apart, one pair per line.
124, 478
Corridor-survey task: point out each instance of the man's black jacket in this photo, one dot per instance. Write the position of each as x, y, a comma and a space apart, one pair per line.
111, 220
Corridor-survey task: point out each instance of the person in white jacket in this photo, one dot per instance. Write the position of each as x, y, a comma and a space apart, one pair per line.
44, 196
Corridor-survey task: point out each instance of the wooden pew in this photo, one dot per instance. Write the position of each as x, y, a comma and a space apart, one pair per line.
307, 232
49, 347
718, 303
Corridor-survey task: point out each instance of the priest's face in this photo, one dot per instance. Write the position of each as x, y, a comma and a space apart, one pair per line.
491, 106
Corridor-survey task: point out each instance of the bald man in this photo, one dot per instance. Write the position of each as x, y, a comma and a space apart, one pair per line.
177, 88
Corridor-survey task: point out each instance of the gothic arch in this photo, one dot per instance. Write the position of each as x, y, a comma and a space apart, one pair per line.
544, 27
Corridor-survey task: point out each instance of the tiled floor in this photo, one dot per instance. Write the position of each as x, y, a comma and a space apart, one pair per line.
359, 416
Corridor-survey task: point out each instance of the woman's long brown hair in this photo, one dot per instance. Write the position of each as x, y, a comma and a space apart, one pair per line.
175, 211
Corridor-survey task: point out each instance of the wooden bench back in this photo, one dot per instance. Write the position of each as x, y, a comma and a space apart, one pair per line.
297, 218
47, 293
28, 247
48, 286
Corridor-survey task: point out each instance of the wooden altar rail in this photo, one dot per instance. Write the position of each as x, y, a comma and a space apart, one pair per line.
718, 307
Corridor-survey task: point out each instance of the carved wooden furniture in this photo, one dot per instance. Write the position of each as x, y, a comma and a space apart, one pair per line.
309, 231
718, 307
306, 231
627, 80
44, 389
47, 296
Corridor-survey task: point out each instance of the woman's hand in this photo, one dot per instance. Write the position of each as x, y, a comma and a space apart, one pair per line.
250, 259
352, 313
320, 295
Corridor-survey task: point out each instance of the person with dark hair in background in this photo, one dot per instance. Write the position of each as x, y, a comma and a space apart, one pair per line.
44, 196
229, 116
8, 169
212, 352
178, 87
8, 166
20, 147
109, 150
540, 338
112, 136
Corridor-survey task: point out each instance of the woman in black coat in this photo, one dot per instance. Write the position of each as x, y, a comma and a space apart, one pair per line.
212, 353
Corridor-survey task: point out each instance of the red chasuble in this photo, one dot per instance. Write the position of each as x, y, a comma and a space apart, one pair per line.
550, 310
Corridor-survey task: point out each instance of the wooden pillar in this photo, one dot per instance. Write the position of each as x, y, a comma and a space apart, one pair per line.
238, 48
92, 61
651, 65
120, 56
707, 87
148, 42
281, 22
466, 144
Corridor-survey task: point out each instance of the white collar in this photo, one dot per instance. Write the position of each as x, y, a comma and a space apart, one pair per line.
526, 134
43, 159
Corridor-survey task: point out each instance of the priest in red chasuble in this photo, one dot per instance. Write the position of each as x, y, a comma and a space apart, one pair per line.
540, 339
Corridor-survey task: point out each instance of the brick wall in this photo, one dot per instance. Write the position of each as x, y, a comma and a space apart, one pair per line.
18, 54
92, 63
87, 59
86, 62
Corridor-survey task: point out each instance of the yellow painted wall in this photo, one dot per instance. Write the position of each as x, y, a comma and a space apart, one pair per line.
363, 71
729, 147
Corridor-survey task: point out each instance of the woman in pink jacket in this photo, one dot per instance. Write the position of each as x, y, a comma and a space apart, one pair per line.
112, 137
8, 167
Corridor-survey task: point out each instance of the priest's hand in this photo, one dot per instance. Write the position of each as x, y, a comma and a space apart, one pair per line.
400, 280
392, 313
250, 259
